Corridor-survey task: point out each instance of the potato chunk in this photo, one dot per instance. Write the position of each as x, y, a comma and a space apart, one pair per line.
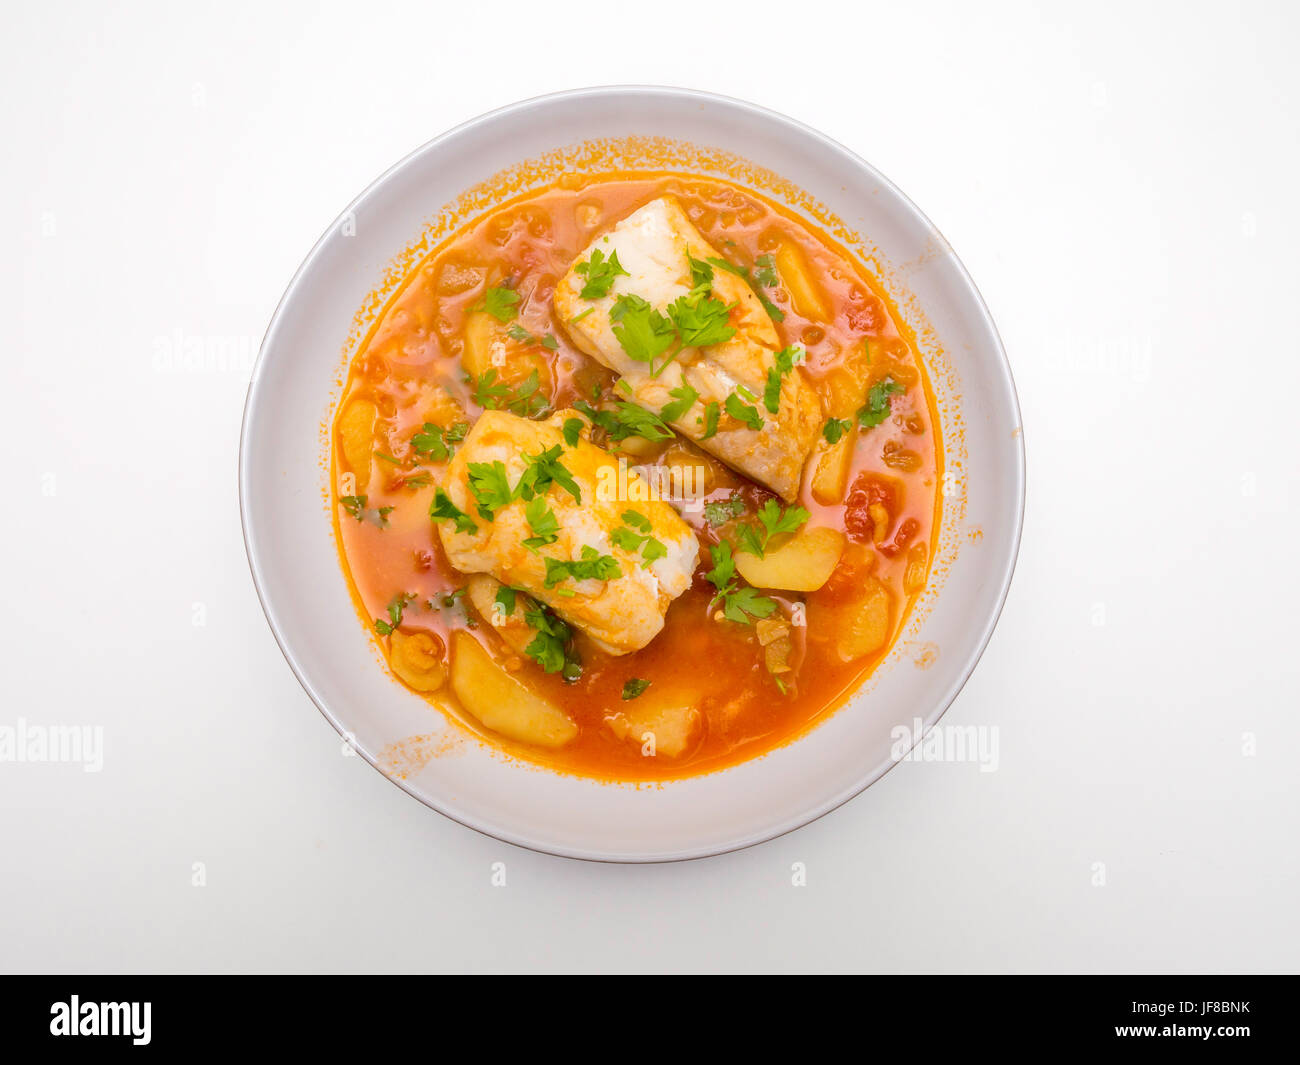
504, 703
801, 564
489, 347
357, 438
798, 280
832, 473
670, 726
860, 625
416, 657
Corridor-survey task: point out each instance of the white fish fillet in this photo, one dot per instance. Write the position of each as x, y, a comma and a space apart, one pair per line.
621, 614
652, 245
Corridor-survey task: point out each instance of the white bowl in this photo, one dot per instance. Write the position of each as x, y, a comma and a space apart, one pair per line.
295, 564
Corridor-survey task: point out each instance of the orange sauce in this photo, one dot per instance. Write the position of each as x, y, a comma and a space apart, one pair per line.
414, 349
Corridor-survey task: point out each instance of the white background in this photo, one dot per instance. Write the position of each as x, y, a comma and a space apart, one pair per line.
1121, 181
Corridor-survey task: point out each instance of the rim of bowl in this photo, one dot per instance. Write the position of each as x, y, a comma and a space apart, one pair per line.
1005, 379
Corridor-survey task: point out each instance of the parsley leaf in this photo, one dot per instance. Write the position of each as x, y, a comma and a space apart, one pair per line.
443, 509
528, 400
787, 358
552, 647
519, 333
591, 566
600, 273
487, 393
490, 486
683, 400
356, 508
738, 604
634, 687
396, 608
772, 391
642, 332
506, 597
638, 538
701, 320
876, 409
543, 470
723, 573
432, 440
572, 431
651, 551
711, 414
500, 301
626, 419
774, 522
543, 522
743, 412
835, 428
745, 601
731, 268
701, 274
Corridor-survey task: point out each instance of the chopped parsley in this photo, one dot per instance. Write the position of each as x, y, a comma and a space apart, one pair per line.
490, 486
526, 400
634, 686
731, 268
487, 393
501, 301
626, 419
701, 320
572, 431
356, 508
683, 400
591, 566
505, 598
523, 336
432, 441
543, 470
701, 274
542, 521
785, 361
642, 332
443, 509
743, 412
788, 358
599, 273
743, 604
396, 608
552, 647
711, 414
835, 428
635, 536
876, 409
773, 522
772, 391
